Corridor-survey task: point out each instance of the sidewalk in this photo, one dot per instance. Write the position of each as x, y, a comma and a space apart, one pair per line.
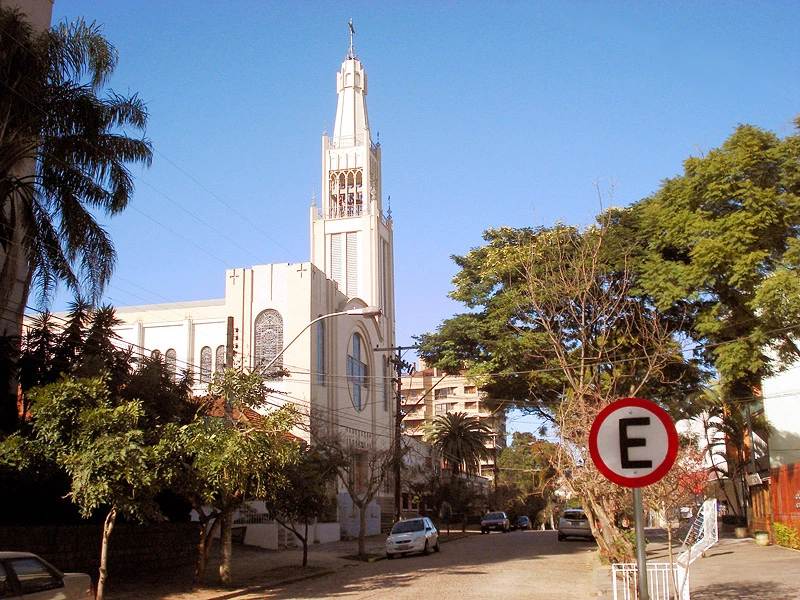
732, 569
256, 569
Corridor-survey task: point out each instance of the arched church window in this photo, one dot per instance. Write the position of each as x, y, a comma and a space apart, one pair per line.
268, 338
220, 359
170, 360
357, 372
205, 364
155, 354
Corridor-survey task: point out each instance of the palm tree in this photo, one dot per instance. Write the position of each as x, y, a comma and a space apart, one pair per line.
461, 440
64, 156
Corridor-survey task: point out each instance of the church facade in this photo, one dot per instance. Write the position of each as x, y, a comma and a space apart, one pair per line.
337, 379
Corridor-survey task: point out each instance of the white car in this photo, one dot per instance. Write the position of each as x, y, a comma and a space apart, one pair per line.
25, 576
412, 535
574, 523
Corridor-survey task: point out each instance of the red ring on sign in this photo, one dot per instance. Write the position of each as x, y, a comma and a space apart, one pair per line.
660, 470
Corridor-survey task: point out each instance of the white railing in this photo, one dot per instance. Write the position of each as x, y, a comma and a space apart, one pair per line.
702, 534
662, 580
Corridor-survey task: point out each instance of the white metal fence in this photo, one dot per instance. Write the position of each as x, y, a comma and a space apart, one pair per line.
662, 581
665, 582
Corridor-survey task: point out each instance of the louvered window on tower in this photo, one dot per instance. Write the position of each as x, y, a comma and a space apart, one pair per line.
352, 264
337, 273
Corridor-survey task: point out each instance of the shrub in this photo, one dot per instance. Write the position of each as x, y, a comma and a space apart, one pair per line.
786, 535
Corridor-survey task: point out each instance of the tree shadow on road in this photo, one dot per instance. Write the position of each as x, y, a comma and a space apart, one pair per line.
773, 590
459, 557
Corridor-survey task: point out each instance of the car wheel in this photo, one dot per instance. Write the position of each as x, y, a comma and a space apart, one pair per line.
436, 547
506, 530
561, 538
389, 556
483, 531
426, 550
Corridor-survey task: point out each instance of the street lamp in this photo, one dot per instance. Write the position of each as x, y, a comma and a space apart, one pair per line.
367, 311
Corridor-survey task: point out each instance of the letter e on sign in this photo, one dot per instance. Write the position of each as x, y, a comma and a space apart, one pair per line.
633, 442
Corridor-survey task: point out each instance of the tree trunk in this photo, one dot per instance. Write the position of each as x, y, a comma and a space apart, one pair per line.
15, 281
305, 545
362, 530
108, 527
203, 544
225, 519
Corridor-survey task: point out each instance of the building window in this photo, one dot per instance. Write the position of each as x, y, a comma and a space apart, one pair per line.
220, 359
442, 408
443, 392
470, 389
471, 405
357, 372
268, 338
170, 360
205, 364
320, 377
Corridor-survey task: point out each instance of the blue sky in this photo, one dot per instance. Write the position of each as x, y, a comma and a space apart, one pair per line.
489, 114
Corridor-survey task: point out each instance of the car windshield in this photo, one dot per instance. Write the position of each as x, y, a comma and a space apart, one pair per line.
494, 516
575, 515
408, 526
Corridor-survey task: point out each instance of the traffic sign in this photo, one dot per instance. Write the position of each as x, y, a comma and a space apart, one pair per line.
633, 442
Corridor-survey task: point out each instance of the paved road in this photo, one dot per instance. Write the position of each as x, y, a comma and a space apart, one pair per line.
530, 565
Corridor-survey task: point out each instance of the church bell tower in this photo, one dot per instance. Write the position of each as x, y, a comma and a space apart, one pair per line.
351, 237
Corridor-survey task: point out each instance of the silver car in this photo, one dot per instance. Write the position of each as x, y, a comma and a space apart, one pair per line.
573, 523
412, 535
26, 576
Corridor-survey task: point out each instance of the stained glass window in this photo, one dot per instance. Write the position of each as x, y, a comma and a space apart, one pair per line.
170, 360
205, 364
268, 338
220, 359
357, 372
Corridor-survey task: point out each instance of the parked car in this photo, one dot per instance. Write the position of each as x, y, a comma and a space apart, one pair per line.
574, 523
523, 522
497, 521
412, 535
25, 575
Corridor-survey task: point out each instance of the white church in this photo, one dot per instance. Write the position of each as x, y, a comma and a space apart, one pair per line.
336, 377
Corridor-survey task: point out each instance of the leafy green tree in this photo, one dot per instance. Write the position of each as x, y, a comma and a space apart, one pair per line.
720, 242
65, 148
525, 467
461, 441
556, 327
102, 447
306, 494
220, 461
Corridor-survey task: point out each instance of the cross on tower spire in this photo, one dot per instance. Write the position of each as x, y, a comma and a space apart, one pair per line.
351, 51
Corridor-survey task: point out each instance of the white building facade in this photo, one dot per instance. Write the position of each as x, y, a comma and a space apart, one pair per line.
336, 378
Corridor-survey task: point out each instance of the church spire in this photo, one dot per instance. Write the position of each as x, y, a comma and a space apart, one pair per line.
352, 123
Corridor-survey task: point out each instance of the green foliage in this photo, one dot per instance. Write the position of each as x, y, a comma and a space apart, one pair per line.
461, 441
786, 535
721, 242
99, 444
54, 116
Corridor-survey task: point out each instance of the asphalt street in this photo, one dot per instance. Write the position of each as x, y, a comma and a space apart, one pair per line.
522, 564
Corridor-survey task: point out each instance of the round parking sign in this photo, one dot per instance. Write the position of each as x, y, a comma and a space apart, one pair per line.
633, 442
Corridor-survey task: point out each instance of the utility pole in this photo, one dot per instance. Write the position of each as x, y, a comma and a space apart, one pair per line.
399, 366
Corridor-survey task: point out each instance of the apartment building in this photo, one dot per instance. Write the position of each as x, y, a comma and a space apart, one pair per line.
428, 393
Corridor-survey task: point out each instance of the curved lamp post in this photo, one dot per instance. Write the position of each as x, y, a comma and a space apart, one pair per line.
367, 311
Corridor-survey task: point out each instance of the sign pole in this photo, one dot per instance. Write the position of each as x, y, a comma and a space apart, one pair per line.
641, 551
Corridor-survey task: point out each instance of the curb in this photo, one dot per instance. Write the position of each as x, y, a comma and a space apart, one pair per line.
262, 588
